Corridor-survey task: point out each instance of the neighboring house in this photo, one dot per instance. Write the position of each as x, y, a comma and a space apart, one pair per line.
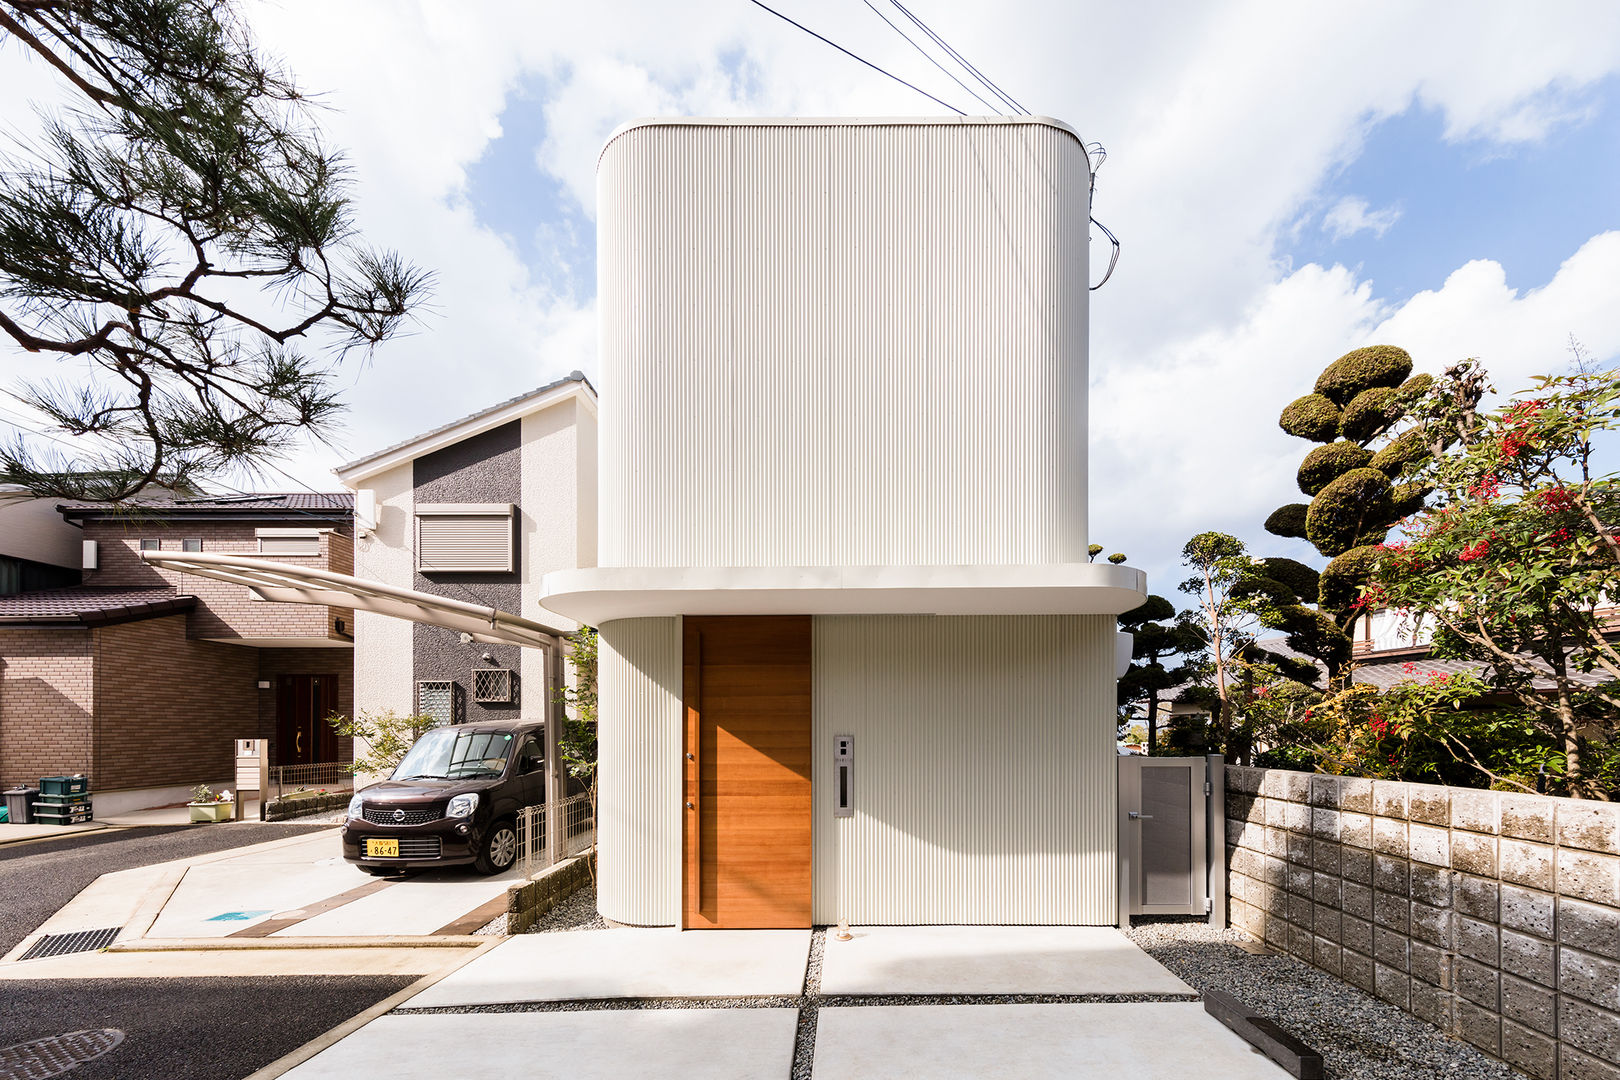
478, 511
38, 550
141, 677
854, 663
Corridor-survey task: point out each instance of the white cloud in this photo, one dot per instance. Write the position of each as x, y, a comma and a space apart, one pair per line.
1351, 215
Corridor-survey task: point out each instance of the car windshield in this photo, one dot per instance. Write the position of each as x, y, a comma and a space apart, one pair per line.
448, 754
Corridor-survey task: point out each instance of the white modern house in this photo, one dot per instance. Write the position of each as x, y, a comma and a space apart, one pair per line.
854, 662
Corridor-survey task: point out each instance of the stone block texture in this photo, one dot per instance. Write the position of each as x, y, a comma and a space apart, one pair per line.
1494, 916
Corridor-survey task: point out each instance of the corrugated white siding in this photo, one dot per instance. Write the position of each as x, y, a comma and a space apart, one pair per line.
639, 748
843, 344
984, 771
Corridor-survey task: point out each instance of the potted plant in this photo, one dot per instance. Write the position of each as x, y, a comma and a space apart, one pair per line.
206, 806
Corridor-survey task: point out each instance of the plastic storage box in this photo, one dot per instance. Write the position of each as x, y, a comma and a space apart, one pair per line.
64, 785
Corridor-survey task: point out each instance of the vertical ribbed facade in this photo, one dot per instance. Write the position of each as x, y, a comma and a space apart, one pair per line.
639, 749
984, 769
840, 344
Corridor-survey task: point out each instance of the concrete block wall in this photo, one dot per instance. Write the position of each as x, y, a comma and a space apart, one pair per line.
1494, 916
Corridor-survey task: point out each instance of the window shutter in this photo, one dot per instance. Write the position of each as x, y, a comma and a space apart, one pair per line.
289, 541
460, 539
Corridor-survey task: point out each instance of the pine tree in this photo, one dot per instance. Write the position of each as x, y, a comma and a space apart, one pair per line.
185, 234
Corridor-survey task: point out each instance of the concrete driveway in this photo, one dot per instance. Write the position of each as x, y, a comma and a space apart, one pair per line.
294, 888
1026, 1002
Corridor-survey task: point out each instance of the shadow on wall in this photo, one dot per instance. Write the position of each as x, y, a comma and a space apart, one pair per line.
43, 732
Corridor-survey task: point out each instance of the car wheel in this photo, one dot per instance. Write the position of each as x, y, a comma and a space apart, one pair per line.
499, 850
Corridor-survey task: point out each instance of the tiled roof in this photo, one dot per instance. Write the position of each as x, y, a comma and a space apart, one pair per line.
289, 502
1383, 676
93, 604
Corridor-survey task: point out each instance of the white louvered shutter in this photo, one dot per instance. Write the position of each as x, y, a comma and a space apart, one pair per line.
464, 539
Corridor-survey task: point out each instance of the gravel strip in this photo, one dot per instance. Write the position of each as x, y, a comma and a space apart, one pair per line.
1358, 1036
577, 912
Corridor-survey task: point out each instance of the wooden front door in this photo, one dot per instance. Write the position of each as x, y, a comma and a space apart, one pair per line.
747, 783
303, 702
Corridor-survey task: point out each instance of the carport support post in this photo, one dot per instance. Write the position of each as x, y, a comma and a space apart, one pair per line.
556, 775
1215, 842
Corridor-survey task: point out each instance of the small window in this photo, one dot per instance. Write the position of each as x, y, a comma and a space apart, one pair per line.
191, 545
149, 545
465, 538
440, 699
493, 685
289, 541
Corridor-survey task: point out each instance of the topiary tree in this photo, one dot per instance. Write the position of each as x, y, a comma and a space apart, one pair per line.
1157, 636
1358, 493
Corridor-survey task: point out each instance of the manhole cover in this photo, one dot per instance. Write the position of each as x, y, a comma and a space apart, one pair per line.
78, 941
55, 1055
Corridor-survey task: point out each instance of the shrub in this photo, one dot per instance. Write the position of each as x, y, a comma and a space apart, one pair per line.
1355, 509
1327, 463
1407, 449
1311, 417
1296, 575
1288, 521
1341, 581
1371, 412
1363, 369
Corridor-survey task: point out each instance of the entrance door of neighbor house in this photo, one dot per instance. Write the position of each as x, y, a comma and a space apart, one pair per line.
303, 702
1162, 834
747, 848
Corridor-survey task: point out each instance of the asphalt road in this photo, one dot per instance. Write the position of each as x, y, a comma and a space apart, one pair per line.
178, 1029
37, 879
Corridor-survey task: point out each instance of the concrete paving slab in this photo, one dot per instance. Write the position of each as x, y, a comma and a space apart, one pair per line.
1144, 1041
671, 1044
12, 833
247, 892
992, 960
623, 963
233, 963
417, 905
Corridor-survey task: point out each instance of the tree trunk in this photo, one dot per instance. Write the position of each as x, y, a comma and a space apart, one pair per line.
1152, 721
1568, 731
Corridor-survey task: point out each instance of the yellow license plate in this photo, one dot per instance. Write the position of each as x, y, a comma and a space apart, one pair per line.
389, 848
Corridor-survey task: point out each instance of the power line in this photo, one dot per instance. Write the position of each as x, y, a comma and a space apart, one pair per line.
862, 59
930, 57
959, 58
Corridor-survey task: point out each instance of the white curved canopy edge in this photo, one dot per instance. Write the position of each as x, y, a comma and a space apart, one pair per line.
289, 584
595, 595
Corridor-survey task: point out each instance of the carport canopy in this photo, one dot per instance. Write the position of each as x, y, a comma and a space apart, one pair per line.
285, 583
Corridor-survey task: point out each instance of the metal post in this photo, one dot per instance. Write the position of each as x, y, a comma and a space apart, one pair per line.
1215, 844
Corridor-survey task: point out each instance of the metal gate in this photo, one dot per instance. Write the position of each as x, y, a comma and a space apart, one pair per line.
1172, 837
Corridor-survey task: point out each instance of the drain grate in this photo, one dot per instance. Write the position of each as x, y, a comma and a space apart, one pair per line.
53, 1056
78, 941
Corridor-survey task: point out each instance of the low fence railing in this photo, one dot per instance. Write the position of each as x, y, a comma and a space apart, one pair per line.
329, 776
552, 832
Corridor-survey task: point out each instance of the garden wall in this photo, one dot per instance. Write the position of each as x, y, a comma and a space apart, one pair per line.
1494, 916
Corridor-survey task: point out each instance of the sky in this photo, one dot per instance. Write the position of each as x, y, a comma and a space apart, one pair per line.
1288, 182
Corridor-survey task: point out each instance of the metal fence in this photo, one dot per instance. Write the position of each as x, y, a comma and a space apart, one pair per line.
552, 832
330, 776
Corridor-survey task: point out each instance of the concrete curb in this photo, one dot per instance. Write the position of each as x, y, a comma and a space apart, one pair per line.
287, 1062
67, 832
465, 941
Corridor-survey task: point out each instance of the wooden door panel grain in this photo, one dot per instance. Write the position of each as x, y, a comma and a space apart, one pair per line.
747, 848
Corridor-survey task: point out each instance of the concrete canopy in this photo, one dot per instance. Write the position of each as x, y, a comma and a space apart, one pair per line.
288, 584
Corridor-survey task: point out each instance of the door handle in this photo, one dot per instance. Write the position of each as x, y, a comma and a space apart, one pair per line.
1137, 815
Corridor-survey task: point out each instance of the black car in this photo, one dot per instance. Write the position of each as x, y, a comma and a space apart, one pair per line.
453, 799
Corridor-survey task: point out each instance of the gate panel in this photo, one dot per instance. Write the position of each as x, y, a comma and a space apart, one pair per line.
1162, 835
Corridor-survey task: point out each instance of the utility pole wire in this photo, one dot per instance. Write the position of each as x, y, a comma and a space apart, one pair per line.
930, 57
862, 59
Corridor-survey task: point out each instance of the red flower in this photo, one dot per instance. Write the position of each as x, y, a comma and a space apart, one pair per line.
1476, 551
1487, 486
1554, 500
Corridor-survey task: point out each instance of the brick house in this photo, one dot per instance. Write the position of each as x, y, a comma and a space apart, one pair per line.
141, 677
